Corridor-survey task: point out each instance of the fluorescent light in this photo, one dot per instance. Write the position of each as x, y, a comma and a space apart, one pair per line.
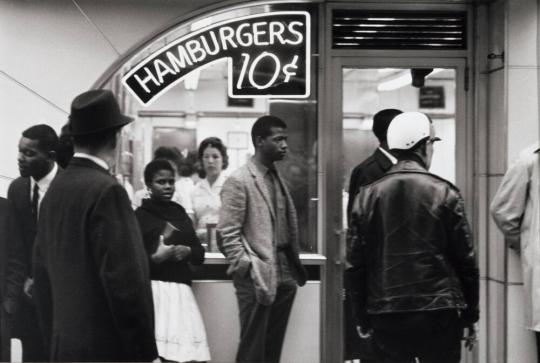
395, 83
402, 80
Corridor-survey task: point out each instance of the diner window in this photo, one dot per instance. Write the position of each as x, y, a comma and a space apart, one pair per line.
200, 106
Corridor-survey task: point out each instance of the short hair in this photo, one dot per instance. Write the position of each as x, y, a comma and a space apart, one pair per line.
214, 142
45, 135
263, 127
381, 121
97, 139
153, 167
169, 153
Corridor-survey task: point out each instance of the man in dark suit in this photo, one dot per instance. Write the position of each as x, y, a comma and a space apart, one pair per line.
368, 171
12, 274
91, 271
37, 166
379, 162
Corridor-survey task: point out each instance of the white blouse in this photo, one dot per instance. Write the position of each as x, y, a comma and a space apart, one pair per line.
206, 202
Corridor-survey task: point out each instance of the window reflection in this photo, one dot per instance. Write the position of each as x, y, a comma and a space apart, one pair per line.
199, 108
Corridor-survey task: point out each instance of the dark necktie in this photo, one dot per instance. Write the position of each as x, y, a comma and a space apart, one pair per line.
35, 200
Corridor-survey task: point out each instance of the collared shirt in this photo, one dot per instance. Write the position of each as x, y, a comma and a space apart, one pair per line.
206, 201
278, 200
389, 156
93, 158
42, 184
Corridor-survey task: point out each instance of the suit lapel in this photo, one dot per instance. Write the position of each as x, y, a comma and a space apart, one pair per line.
28, 202
261, 186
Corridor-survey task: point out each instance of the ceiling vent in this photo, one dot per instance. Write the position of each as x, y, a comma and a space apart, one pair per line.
364, 29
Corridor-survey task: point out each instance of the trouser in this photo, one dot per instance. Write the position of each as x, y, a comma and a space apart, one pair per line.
424, 337
262, 328
26, 328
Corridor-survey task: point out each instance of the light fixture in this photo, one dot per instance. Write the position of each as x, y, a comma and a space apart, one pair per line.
402, 80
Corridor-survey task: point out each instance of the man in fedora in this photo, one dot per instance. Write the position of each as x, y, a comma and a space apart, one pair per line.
91, 278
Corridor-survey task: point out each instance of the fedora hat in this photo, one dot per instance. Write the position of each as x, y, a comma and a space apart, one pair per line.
95, 111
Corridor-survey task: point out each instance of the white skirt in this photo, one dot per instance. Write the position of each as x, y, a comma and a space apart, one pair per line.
180, 334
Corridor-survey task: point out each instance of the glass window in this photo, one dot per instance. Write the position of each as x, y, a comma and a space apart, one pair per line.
367, 91
199, 107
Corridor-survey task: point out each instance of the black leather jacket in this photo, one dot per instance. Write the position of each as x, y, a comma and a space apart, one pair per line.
413, 250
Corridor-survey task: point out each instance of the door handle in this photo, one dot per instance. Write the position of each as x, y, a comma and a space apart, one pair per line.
340, 235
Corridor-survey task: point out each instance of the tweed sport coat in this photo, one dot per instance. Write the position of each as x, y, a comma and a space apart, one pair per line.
91, 276
246, 225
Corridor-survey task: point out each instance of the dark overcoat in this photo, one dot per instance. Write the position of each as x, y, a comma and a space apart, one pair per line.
19, 196
368, 171
25, 321
91, 279
12, 273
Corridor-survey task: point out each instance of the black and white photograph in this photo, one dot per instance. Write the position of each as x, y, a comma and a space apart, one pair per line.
294, 181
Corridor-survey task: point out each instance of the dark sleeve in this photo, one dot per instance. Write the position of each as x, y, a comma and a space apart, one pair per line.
150, 234
16, 266
463, 258
122, 265
356, 276
188, 237
353, 189
42, 293
197, 250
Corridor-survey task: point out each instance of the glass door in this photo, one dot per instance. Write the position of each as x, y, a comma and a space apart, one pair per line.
362, 87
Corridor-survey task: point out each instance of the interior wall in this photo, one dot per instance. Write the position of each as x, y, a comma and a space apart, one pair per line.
510, 123
56, 49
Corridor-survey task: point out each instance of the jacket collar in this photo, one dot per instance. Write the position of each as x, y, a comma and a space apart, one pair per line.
409, 165
87, 163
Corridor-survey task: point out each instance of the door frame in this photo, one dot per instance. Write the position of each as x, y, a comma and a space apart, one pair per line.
332, 150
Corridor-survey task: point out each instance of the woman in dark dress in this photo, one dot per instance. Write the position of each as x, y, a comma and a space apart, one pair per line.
172, 245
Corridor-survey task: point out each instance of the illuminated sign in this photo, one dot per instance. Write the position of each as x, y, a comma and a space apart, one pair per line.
268, 56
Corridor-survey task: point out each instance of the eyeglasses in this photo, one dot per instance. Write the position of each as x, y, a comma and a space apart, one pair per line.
433, 139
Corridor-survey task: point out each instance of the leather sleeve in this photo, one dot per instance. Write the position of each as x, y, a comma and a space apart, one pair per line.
356, 276
463, 257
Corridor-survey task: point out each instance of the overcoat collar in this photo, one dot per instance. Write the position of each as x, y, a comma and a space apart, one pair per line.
87, 163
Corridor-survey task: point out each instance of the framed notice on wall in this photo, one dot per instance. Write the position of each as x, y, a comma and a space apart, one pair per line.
239, 102
431, 97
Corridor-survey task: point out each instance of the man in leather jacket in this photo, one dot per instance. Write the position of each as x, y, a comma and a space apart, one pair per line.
418, 280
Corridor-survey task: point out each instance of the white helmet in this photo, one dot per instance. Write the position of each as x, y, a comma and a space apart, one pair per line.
407, 129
